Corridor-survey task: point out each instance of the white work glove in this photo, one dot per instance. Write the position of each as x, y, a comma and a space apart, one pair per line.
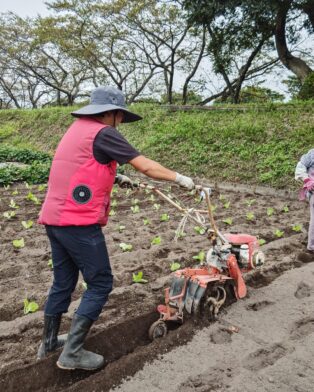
123, 181
185, 182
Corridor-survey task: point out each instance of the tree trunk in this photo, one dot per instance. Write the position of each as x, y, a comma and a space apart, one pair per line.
294, 64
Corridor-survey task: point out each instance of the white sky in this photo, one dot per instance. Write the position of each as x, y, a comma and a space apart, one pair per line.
24, 7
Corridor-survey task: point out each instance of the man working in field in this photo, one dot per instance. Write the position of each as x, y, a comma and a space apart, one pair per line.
76, 206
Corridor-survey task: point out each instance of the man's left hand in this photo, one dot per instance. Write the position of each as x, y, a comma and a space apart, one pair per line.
123, 181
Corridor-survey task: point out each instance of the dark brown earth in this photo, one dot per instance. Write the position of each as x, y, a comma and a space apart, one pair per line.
274, 320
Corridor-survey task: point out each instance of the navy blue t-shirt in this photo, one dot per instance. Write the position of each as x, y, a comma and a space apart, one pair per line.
111, 145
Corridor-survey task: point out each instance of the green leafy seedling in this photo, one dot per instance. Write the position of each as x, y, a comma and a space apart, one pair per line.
128, 192
152, 198
112, 212
297, 228
114, 203
135, 201
164, 218
18, 243
156, 206
250, 216
84, 285
42, 187
27, 224
227, 204
285, 209
27, 186
138, 278
228, 221
146, 222
213, 207
121, 228
278, 233
13, 204
50, 263
199, 257
135, 209
114, 190
175, 266
250, 202
126, 247
16, 192
9, 214
156, 241
147, 191
6, 187
30, 306
199, 230
32, 198
261, 241
222, 198
270, 211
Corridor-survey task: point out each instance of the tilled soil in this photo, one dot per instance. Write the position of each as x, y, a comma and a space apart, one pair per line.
121, 332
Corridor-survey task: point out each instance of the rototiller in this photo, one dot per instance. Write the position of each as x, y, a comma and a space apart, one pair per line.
204, 289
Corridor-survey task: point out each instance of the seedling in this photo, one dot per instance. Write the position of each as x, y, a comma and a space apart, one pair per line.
270, 211
84, 285
156, 241
227, 204
18, 243
16, 192
279, 233
114, 190
199, 230
121, 228
6, 187
146, 222
42, 187
156, 206
27, 224
138, 278
135, 201
9, 214
213, 207
222, 198
250, 216
147, 190
114, 203
228, 221
175, 266
13, 204
30, 306
112, 213
297, 228
285, 209
50, 263
261, 241
126, 247
32, 198
152, 198
128, 192
250, 202
200, 257
27, 186
164, 218
135, 209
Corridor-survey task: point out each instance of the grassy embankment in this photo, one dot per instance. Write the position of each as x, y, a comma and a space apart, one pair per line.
255, 146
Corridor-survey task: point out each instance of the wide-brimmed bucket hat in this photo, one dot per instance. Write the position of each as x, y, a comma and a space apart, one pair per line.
105, 99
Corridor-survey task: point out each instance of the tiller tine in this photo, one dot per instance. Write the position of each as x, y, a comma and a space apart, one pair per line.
193, 296
235, 274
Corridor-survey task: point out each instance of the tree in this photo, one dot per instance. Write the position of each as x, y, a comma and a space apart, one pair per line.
257, 94
246, 20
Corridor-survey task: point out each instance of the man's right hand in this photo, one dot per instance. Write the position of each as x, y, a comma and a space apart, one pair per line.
185, 182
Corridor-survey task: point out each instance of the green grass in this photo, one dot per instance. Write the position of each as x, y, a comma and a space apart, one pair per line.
257, 146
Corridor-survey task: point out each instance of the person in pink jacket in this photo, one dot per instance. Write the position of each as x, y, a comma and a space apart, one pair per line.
304, 172
76, 206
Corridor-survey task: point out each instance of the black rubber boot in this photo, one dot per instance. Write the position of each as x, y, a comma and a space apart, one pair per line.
73, 355
51, 341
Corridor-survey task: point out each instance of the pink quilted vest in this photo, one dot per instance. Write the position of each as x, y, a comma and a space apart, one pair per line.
79, 187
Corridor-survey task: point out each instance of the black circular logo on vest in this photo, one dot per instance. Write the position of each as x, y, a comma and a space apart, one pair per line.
81, 194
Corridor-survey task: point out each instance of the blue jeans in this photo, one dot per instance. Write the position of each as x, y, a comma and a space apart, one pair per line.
74, 249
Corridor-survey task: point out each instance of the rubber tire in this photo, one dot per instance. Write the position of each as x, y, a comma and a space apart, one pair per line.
157, 330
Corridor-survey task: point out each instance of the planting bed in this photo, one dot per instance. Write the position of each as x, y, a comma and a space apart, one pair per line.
121, 332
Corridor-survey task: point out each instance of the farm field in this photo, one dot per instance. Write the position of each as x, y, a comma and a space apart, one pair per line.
274, 323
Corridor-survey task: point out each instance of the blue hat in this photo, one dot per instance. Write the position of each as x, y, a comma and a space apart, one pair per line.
105, 99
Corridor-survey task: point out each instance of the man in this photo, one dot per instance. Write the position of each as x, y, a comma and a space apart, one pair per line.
77, 203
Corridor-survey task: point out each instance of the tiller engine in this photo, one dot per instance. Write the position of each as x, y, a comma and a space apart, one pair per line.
203, 290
